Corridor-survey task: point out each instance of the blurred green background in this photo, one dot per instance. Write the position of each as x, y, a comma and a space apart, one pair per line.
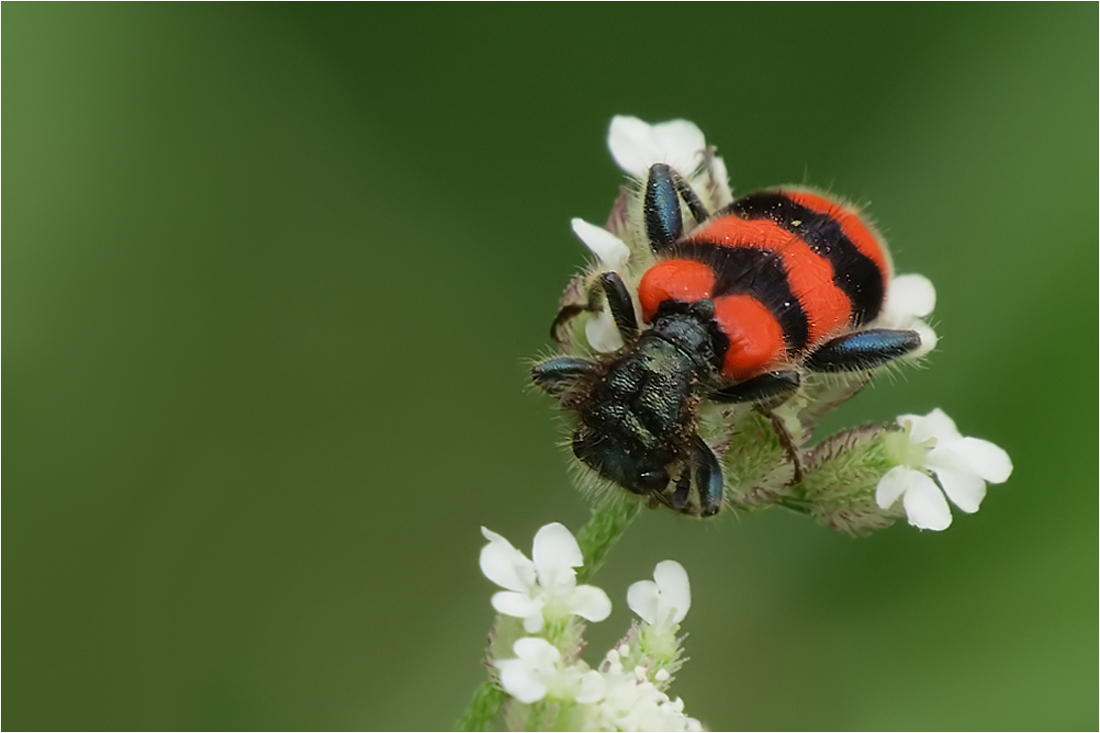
273, 272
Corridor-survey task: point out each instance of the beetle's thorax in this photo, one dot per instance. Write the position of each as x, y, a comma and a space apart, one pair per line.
650, 393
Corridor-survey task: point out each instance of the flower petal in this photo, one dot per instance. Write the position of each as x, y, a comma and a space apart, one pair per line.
505, 565
631, 143
602, 333
540, 652
935, 424
533, 624
555, 544
965, 490
556, 553
636, 145
518, 605
925, 506
591, 687
520, 680
680, 143
719, 185
928, 338
893, 484
986, 459
611, 250
675, 599
642, 597
911, 294
524, 678
590, 602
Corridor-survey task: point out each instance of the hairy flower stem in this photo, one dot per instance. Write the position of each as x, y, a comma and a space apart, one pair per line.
609, 522
484, 707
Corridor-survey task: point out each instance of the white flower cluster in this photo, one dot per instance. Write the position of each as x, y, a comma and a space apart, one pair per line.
628, 689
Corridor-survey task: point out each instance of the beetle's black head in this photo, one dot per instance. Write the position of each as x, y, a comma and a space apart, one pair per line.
624, 461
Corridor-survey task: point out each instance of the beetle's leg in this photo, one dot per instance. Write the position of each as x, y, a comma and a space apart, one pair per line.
768, 390
687, 193
767, 387
679, 499
557, 375
787, 441
609, 286
564, 316
863, 350
620, 304
664, 223
708, 477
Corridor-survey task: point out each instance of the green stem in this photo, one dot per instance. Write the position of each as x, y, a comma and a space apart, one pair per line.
483, 709
609, 521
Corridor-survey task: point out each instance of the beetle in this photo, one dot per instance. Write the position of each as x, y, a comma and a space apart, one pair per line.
733, 311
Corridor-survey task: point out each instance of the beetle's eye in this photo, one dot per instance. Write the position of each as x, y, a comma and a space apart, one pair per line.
652, 479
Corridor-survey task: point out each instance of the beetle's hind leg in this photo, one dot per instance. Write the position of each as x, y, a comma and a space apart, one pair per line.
863, 350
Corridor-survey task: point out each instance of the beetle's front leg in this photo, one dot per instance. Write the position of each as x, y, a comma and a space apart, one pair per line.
607, 287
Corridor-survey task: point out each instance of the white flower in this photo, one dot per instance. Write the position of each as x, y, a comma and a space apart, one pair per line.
961, 465
538, 672
636, 145
545, 589
910, 299
665, 600
631, 702
612, 252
